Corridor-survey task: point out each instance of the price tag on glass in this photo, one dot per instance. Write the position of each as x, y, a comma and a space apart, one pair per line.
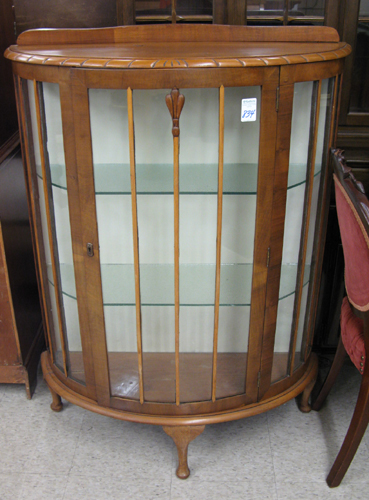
248, 110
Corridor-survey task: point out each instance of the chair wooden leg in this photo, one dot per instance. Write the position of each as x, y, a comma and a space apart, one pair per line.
354, 434
337, 364
182, 436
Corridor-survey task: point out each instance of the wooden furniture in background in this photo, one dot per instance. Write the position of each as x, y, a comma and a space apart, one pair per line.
353, 216
9, 137
179, 251
21, 333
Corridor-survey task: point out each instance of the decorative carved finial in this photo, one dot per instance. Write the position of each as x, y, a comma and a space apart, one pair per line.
345, 171
175, 102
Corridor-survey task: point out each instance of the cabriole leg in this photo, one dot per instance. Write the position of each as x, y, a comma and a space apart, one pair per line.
182, 436
304, 405
57, 404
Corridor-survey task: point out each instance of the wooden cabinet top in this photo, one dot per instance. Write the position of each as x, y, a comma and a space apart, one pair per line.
178, 46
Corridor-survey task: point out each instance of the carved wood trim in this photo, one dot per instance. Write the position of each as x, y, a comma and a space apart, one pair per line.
175, 102
339, 50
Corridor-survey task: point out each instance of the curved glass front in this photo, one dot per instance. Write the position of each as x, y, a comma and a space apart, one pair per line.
49, 157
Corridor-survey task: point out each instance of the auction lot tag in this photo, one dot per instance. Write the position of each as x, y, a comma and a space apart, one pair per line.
248, 110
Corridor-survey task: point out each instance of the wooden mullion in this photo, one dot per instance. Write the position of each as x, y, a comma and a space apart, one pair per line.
176, 258
89, 234
334, 113
220, 11
263, 228
237, 12
175, 102
135, 239
75, 218
219, 239
315, 109
126, 12
174, 11
285, 12
332, 14
50, 217
349, 34
338, 111
277, 216
320, 225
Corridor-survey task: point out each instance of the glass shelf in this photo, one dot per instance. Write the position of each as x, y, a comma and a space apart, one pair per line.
239, 178
197, 282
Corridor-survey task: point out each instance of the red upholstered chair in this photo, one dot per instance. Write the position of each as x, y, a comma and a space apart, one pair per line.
353, 217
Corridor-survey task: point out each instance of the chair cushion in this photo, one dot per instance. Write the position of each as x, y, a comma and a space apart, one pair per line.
352, 335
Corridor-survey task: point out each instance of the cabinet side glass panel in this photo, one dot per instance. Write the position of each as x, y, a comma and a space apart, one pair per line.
242, 107
322, 137
59, 215
55, 331
110, 150
298, 160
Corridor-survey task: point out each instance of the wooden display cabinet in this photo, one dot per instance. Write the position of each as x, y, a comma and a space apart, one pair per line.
179, 179
21, 334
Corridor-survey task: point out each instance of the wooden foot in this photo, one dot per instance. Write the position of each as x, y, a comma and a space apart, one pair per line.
57, 404
304, 405
182, 436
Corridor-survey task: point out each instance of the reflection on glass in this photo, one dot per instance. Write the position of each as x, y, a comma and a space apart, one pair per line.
62, 237
299, 147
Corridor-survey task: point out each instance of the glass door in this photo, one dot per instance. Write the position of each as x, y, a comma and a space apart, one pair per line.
165, 346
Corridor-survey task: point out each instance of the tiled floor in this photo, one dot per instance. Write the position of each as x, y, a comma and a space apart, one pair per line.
78, 455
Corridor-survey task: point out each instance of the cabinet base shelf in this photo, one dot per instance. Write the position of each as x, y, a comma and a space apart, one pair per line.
195, 374
296, 388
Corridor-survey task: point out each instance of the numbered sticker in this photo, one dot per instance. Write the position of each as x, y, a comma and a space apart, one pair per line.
248, 110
